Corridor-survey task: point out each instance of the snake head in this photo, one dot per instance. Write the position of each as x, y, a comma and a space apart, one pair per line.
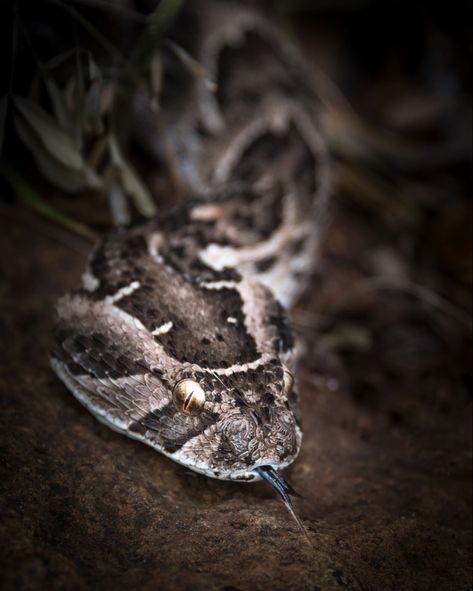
191, 361
240, 421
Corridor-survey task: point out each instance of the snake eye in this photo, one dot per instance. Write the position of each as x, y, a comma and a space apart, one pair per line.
189, 397
288, 380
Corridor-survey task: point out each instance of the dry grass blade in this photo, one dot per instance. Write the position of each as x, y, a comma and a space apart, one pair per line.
92, 103
191, 64
137, 190
132, 184
58, 143
347, 336
68, 179
118, 204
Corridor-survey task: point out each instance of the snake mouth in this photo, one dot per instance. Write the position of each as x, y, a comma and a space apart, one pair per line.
283, 489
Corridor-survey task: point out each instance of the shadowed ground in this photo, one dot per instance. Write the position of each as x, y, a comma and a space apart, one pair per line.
384, 470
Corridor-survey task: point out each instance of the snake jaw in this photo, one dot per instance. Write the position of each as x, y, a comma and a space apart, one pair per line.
284, 490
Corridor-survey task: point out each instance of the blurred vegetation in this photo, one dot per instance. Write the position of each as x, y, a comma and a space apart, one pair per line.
394, 79
68, 89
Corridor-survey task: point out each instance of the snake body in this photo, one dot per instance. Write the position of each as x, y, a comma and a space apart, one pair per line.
178, 335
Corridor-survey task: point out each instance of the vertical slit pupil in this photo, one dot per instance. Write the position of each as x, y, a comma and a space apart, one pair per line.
188, 401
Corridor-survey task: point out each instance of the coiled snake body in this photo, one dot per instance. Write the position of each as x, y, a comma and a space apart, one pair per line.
178, 334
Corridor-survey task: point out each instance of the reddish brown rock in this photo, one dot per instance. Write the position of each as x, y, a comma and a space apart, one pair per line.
384, 471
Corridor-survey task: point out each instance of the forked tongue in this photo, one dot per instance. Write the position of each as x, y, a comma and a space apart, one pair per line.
284, 490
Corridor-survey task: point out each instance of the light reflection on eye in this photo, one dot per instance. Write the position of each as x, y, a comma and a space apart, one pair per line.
188, 396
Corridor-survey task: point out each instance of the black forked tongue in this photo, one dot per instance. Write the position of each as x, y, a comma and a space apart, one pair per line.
284, 490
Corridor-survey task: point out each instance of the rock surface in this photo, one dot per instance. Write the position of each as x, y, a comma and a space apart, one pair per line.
384, 471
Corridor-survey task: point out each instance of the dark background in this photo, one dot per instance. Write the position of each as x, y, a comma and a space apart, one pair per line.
385, 470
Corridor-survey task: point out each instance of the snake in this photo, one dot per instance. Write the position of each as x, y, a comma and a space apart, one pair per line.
178, 334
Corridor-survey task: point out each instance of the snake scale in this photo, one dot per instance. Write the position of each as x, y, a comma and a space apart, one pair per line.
178, 335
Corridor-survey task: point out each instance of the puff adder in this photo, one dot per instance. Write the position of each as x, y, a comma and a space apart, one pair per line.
178, 335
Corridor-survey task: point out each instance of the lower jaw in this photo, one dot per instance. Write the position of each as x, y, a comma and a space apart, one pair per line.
249, 475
